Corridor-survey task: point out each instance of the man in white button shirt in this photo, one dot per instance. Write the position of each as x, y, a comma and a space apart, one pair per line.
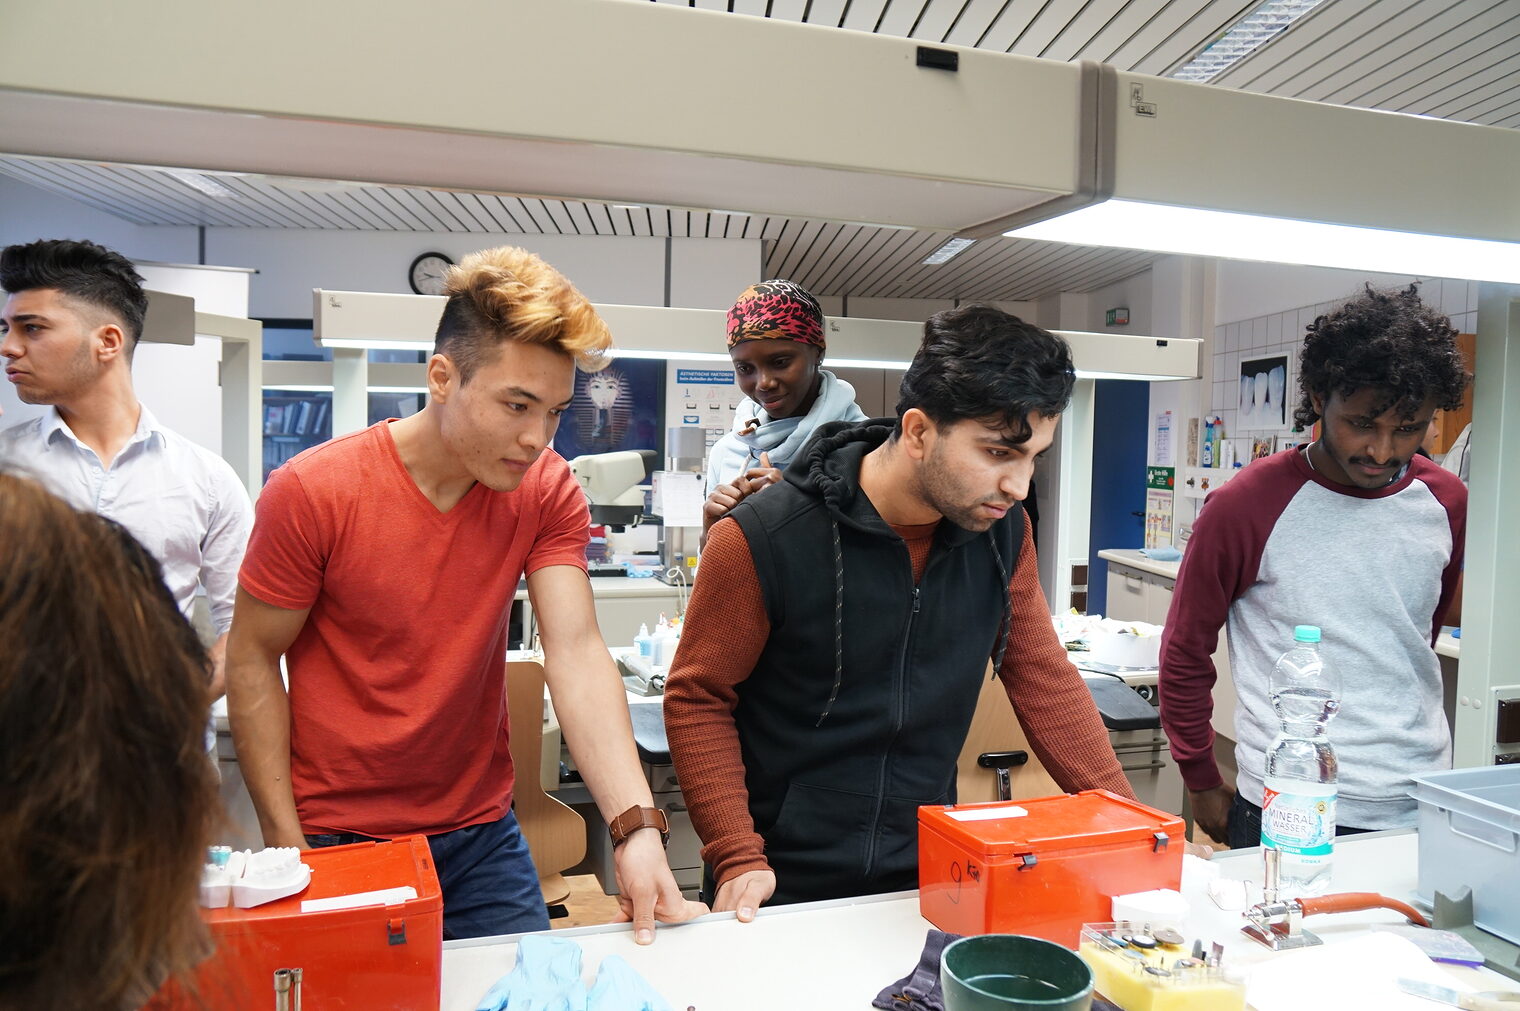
72, 317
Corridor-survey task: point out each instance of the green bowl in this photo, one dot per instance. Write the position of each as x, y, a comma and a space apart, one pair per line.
1011, 972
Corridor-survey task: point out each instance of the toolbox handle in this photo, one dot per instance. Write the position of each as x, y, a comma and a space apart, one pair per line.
1484, 832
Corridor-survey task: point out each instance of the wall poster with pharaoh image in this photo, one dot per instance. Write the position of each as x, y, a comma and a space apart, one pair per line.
621, 407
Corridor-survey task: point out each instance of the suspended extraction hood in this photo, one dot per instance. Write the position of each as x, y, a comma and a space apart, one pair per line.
367, 319
586, 99
641, 103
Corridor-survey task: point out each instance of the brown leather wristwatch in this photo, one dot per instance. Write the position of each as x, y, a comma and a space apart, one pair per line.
635, 818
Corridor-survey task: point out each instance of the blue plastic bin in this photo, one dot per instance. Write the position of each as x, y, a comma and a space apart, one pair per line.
1470, 835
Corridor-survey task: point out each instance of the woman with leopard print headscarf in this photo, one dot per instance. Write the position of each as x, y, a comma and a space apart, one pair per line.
776, 341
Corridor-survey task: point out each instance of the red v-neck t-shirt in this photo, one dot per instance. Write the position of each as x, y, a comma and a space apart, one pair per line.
398, 714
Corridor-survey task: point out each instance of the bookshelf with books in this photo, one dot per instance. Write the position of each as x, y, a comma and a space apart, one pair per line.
294, 422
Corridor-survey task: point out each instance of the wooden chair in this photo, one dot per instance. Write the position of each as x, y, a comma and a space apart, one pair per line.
556, 835
995, 729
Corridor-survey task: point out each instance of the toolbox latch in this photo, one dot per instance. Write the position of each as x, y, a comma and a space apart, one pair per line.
1029, 860
1161, 840
395, 931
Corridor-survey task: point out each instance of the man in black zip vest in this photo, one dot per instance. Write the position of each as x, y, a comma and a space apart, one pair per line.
841, 626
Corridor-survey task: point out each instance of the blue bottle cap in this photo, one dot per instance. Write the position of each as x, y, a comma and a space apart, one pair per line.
1306, 633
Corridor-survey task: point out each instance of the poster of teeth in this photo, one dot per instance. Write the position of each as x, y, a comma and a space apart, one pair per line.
1264, 393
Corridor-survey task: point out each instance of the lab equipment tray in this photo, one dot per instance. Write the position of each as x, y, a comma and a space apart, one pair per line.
1469, 824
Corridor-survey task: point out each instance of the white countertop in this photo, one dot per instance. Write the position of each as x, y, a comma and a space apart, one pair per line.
1448, 646
838, 955
1135, 560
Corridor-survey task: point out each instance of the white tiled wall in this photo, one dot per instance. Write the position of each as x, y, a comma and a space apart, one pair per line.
1283, 333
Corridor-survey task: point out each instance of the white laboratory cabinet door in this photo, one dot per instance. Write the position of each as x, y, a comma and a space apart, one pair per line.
1126, 594
240, 830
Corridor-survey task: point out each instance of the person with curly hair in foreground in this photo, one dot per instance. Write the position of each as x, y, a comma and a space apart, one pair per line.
1354, 533
107, 799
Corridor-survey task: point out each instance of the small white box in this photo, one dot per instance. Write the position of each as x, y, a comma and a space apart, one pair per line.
1162, 907
1136, 644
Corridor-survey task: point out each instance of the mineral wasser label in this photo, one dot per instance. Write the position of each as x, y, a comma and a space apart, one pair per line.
1299, 821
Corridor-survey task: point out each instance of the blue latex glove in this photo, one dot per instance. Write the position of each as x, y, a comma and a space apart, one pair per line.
1162, 554
619, 988
547, 977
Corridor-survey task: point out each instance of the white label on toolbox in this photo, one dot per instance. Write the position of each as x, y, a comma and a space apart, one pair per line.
988, 813
381, 897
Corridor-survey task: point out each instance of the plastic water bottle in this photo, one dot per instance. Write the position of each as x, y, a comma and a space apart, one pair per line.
1298, 812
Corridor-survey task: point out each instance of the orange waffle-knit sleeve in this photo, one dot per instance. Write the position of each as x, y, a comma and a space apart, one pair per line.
722, 637
1048, 694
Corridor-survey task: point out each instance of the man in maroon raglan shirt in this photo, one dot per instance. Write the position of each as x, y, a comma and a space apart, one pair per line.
1354, 533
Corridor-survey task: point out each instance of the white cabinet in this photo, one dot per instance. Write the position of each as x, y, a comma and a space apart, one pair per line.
1136, 595
1126, 594
240, 828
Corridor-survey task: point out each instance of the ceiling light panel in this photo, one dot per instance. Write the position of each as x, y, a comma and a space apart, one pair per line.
1243, 38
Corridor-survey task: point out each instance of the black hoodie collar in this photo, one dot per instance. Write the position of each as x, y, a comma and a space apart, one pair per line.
829, 468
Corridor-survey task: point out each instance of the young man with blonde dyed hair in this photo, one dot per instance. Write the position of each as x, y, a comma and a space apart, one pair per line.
382, 566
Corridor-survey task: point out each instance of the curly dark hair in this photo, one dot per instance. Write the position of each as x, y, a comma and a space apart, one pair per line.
1388, 340
84, 270
978, 362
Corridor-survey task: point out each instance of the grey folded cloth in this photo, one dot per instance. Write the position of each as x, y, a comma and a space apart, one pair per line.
920, 989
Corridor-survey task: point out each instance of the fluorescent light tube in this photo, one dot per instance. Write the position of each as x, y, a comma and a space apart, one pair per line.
865, 363
203, 183
1088, 374
1164, 228
379, 343
670, 356
948, 250
311, 388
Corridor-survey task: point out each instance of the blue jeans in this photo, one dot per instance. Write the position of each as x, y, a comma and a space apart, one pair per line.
489, 883
1243, 827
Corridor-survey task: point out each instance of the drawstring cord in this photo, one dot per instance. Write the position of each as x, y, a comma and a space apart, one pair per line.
838, 622
1005, 623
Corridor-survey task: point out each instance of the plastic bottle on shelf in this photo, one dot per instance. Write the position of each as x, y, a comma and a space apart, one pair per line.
1206, 454
1298, 810
663, 645
644, 642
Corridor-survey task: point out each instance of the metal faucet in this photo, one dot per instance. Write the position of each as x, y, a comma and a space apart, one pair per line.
1278, 922
1274, 922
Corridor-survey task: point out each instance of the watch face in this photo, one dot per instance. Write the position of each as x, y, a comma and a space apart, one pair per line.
427, 273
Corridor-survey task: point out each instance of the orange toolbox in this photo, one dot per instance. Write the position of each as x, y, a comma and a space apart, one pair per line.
371, 957
1041, 867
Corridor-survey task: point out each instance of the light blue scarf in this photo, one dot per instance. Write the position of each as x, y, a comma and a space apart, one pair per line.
781, 438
